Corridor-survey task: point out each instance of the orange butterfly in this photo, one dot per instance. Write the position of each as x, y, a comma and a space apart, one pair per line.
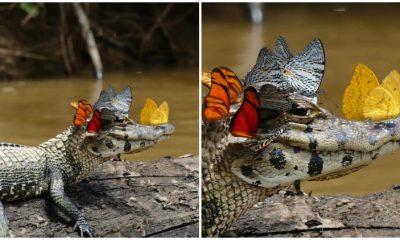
83, 111
245, 121
234, 84
225, 89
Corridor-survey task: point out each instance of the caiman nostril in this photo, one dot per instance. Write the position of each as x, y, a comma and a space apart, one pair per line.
169, 128
109, 143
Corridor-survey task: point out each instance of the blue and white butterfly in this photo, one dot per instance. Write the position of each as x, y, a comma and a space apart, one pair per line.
301, 73
120, 104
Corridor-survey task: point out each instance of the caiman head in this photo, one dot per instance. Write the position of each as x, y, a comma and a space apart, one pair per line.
128, 137
115, 132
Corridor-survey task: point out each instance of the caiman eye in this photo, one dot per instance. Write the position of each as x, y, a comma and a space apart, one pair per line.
119, 120
300, 111
106, 124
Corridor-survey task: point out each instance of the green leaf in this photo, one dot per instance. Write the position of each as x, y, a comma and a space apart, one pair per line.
30, 8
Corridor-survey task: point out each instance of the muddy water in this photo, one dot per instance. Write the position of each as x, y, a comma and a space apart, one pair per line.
351, 34
33, 111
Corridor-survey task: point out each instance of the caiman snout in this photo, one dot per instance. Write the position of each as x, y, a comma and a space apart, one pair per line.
134, 131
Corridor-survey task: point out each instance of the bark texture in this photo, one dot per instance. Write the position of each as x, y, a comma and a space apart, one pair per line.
375, 215
121, 199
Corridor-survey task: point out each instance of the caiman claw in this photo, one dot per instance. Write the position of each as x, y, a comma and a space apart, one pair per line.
84, 228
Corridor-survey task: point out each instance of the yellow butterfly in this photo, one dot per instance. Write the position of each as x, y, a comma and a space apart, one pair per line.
151, 114
365, 98
362, 83
384, 101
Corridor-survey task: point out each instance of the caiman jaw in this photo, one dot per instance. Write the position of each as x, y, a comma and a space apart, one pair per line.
130, 138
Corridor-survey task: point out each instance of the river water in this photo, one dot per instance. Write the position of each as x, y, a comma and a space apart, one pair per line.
351, 34
32, 111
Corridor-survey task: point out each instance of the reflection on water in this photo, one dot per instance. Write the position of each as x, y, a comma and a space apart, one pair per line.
351, 34
33, 111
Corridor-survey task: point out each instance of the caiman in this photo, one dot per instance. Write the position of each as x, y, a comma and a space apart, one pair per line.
69, 157
234, 178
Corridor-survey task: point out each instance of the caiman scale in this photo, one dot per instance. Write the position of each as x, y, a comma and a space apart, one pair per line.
235, 178
65, 160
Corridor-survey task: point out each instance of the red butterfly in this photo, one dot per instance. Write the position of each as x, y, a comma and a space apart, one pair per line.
94, 125
245, 121
101, 120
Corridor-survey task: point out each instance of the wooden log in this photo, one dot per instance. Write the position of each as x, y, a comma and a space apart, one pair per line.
121, 199
375, 215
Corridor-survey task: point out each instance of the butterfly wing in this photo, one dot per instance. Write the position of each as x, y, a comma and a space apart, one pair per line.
83, 111
384, 101
104, 101
266, 70
282, 52
392, 84
380, 105
160, 115
87, 106
122, 102
216, 104
245, 122
362, 83
164, 107
303, 73
215, 109
273, 98
149, 107
118, 103
234, 84
94, 125
111, 92
107, 119
206, 79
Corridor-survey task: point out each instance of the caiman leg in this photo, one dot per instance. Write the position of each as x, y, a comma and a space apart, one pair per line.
58, 196
3, 222
224, 196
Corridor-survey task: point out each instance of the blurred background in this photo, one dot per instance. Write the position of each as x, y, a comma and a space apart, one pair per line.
233, 34
46, 62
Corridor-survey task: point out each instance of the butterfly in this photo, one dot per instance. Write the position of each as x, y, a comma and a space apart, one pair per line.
118, 103
366, 98
206, 79
282, 52
245, 121
151, 114
83, 111
361, 85
384, 101
301, 73
266, 70
94, 125
225, 89
273, 98
235, 86
101, 121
